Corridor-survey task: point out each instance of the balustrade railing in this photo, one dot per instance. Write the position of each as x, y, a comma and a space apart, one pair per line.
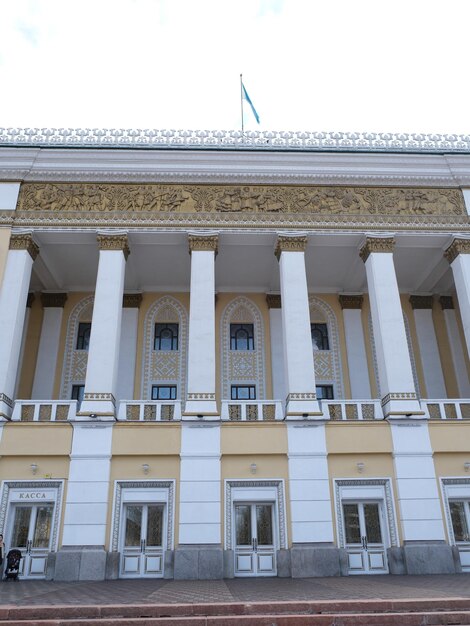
44, 410
351, 410
149, 411
252, 410
447, 409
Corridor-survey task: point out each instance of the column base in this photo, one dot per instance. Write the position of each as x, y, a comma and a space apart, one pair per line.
310, 560
199, 562
204, 408
103, 409
74, 563
303, 405
398, 407
429, 558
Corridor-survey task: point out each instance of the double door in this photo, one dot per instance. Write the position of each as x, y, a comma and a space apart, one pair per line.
142, 545
255, 546
460, 517
364, 532
30, 533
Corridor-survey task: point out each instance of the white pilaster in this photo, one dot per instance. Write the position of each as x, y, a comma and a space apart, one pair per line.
355, 347
13, 295
417, 491
428, 348
43, 384
128, 346
456, 347
277, 347
200, 491
309, 490
201, 343
29, 303
297, 338
397, 386
458, 255
103, 353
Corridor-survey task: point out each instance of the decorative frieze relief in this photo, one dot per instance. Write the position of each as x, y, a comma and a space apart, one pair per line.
24, 242
407, 395
100, 396
60, 198
376, 244
446, 302
203, 243
421, 302
114, 242
349, 301
458, 246
56, 300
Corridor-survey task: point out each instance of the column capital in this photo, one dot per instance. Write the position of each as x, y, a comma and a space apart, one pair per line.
132, 300
31, 298
376, 244
446, 302
273, 300
114, 242
56, 300
350, 301
458, 246
24, 241
203, 243
421, 302
288, 243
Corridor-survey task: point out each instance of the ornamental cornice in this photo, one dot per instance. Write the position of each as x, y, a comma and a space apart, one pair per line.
24, 242
132, 300
234, 139
458, 246
350, 301
446, 302
273, 301
376, 244
114, 242
288, 243
53, 300
421, 302
203, 243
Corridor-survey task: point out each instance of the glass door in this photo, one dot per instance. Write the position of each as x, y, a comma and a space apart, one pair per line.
460, 516
31, 534
255, 552
142, 548
363, 528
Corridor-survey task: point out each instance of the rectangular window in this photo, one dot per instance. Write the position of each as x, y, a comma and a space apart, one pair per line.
77, 393
325, 392
242, 337
164, 392
459, 513
319, 336
166, 337
243, 392
83, 336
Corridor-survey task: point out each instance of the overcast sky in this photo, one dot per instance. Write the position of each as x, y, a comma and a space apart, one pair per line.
321, 65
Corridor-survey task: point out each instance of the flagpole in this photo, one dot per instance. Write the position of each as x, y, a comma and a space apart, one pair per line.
241, 104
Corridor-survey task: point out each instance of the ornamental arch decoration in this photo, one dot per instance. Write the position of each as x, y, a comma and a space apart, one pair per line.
327, 363
75, 361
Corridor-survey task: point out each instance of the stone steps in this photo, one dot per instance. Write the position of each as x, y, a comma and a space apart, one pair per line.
434, 612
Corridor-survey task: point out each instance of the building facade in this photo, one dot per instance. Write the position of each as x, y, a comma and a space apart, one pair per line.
225, 356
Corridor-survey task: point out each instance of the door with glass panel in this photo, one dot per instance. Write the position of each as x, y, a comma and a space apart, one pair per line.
365, 537
460, 516
31, 531
142, 544
255, 543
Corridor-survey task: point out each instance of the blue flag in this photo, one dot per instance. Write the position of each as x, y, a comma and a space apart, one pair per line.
247, 98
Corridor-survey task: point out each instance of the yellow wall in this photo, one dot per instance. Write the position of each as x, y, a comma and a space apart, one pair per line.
36, 439
143, 439
361, 437
33, 335
253, 438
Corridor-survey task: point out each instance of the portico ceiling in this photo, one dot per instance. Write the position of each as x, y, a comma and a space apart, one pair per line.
160, 262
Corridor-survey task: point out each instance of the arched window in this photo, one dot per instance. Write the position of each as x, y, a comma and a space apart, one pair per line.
166, 337
242, 337
319, 336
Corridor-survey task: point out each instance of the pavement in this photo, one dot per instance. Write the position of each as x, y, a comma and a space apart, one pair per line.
158, 591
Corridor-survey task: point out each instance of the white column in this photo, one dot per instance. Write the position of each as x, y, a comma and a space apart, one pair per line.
13, 295
456, 347
419, 511
428, 348
393, 358
43, 384
128, 346
311, 515
277, 347
297, 338
200, 487
201, 344
103, 353
458, 255
355, 346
